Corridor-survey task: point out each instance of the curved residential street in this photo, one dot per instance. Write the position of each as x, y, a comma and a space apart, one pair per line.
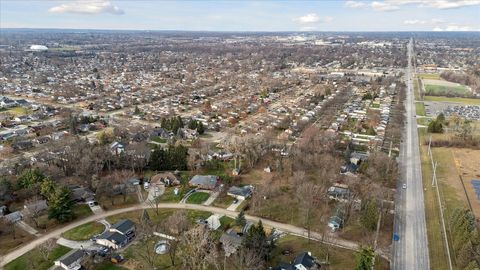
291, 229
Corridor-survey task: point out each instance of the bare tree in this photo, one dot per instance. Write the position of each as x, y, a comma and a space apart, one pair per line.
46, 248
175, 225
194, 248
246, 259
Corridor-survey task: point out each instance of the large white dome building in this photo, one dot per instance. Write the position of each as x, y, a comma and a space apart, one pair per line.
38, 48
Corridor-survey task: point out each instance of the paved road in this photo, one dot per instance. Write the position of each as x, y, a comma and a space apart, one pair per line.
331, 240
411, 251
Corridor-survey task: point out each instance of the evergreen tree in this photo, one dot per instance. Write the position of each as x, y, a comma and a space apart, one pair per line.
47, 188
240, 220
30, 177
61, 205
365, 258
369, 215
200, 128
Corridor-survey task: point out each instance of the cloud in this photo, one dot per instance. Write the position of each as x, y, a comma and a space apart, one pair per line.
312, 18
355, 4
456, 27
309, 18
87, 7
390, 5
383, 6
423, 22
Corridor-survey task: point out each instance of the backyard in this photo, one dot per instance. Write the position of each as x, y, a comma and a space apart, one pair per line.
33, 260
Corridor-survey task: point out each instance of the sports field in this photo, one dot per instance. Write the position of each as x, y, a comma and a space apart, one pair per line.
444, 88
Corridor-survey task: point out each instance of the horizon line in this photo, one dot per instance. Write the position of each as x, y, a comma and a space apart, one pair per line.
240, 31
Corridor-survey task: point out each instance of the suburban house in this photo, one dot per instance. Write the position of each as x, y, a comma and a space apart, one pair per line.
125, 227
338, 192
240, 193
209, 182
231, 241
304, 261
112, 240
117, 148
166, 178
32, 207
14, 217
70, 261
81, 194
119, 234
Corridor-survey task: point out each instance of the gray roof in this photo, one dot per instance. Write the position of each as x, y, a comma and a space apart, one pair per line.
123, 225
113, 237
14, 217
71, 257
245, 191
205, 180
306, 260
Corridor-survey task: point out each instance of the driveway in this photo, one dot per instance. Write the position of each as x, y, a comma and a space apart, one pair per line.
234, 205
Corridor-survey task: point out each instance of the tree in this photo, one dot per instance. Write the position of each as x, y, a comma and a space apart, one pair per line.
241, 220
194, 248
365, 258
435, 126
47, 188
246, 259
30, 177
200, 128
61, 205
46, 248
369, 214
176, 225
256, 239
5, 189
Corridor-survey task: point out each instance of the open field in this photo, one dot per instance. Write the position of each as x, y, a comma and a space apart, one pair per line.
451, 193
443, 88
84, 232
467, 164
33, 260
464, 101
438, 255
432, 76
15, 111
339, 259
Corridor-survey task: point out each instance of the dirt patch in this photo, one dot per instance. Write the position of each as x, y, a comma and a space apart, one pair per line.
467, 162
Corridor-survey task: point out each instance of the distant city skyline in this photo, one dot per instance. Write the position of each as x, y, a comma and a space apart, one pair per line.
386, 15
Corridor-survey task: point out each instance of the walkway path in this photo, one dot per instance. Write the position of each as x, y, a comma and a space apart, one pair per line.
22, 224
266, 222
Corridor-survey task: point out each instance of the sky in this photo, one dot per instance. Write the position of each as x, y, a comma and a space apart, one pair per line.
244, 15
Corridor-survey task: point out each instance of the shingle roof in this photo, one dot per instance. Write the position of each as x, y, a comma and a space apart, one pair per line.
71, 257
123, 225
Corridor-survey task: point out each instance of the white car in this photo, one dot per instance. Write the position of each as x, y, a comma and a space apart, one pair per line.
146, 185
404, 186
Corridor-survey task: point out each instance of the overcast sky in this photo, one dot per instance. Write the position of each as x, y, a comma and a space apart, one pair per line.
244, 15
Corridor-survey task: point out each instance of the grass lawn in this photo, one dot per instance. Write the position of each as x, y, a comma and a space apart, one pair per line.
85, 231
432, 76
135, 261
159, 139
339, 259
420, 108
223, 201
33, 260
439, 90
198, 197
416, 89
8, 243
169, 195
16, 111
155, 217
465, 101
446, 174
108, 266
118, 201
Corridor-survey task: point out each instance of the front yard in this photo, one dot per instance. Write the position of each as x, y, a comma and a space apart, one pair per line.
198, 197
33, 260
84, 232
